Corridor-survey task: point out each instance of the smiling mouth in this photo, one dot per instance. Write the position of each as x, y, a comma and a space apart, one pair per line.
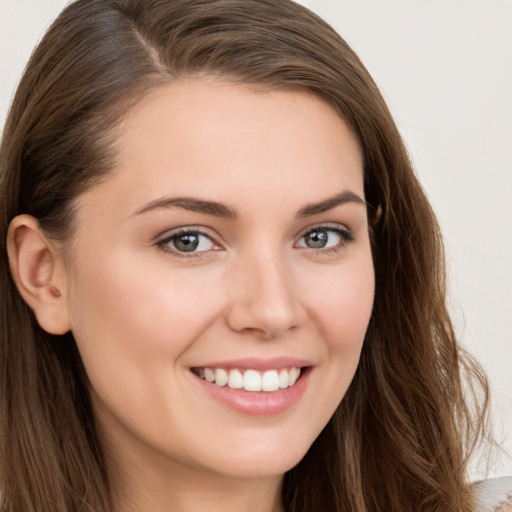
250, 380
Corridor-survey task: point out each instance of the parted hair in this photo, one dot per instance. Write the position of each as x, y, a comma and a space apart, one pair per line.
401, 437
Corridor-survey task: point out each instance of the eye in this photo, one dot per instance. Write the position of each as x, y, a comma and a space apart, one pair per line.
187, 242
325, 238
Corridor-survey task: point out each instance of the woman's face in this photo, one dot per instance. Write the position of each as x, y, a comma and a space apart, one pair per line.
230, 243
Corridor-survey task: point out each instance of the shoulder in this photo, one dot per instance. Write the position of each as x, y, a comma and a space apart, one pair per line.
493, 495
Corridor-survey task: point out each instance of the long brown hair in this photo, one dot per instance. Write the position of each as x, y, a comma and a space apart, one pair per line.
402, 434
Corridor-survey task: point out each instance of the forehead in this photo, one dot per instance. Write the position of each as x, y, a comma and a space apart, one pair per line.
208, 137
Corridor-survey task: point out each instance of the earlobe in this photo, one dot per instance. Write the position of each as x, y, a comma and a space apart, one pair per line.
38, 271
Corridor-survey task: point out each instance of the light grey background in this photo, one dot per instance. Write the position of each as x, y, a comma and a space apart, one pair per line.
445, 68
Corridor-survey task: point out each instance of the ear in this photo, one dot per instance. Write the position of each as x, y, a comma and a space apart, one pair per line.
38, 270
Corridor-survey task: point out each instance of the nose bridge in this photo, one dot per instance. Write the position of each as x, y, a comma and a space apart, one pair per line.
264, 297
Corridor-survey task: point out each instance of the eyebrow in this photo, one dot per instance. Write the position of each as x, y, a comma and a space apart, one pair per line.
328, 204
191, 204
223, 211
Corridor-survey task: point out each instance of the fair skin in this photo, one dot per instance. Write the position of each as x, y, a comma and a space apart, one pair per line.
276, 274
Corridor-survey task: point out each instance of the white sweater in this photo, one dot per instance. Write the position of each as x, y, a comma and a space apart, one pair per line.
494, 495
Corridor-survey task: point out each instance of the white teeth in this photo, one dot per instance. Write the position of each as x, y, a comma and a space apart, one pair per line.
283, 379
236, 379
293, 375
270, 381
250, 380
221, 377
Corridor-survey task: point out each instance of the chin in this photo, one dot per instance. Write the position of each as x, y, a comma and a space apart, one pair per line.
261, 458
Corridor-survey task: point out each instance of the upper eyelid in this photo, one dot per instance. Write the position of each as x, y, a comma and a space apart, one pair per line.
201, 230
169, 233
162, 243
205, 231
333, 226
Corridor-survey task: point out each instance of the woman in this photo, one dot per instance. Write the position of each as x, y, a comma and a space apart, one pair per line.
224, 284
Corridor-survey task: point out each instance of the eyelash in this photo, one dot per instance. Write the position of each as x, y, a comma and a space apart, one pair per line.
346, 237
164, 244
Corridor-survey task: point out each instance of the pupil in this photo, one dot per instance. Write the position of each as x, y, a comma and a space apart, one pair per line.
187, 243
316, 239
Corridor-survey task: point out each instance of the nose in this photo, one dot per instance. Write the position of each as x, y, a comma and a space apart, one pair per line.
264, 298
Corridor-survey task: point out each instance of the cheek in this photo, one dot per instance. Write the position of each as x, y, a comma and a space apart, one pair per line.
341, 302
129, 311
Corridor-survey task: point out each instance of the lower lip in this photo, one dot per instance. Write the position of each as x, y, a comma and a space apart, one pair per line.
257, 403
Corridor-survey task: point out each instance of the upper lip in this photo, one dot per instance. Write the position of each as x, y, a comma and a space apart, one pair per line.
255, 363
